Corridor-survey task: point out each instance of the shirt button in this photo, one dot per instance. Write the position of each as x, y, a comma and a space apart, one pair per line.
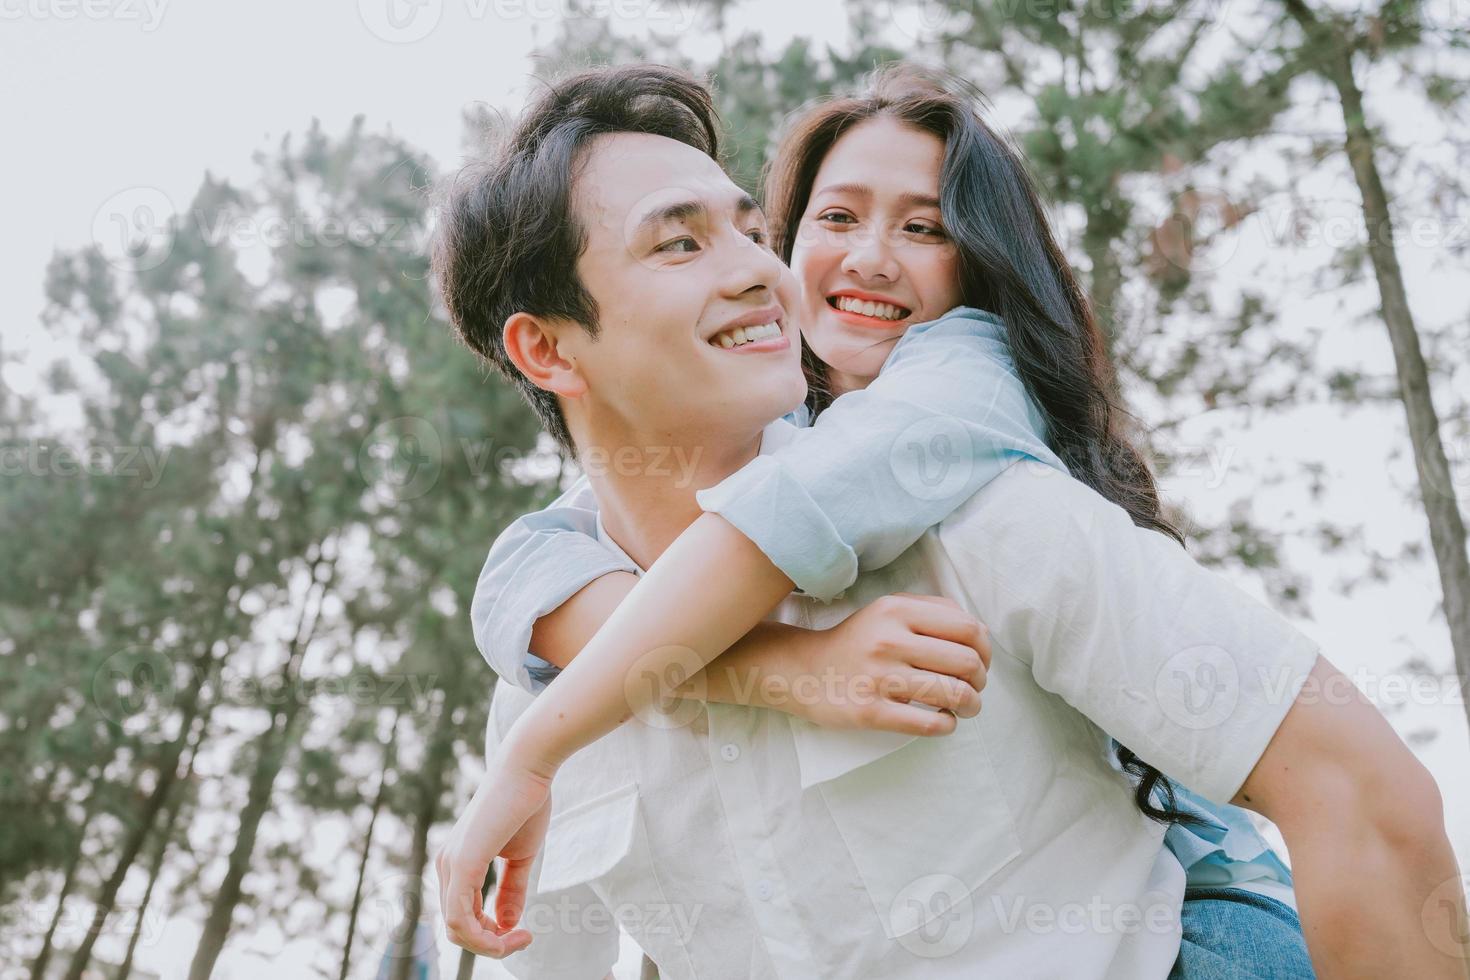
763, 890
729, 751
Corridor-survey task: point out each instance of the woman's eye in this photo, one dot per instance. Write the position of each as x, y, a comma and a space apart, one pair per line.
838, 217
918, 228
682, 244
757, 236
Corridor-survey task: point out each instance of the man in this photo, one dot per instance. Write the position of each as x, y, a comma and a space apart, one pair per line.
744, 843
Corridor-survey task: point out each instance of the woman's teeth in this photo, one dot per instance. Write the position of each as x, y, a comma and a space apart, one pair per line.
745, 335
883, 311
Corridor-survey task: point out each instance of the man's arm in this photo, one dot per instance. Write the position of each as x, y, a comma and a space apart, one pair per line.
1226, 697
1361, 816
890, 653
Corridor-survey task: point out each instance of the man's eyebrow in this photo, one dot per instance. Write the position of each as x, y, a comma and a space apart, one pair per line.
864, 191
692, 208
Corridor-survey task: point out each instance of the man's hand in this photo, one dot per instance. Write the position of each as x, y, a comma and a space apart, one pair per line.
507, 818
878, 667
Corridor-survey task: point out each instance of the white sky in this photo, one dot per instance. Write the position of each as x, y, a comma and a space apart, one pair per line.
116, 97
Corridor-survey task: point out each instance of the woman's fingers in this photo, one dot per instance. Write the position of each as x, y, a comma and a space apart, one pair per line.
510, 894
467, 924
938, 690
942, 618
909, 719
946, 657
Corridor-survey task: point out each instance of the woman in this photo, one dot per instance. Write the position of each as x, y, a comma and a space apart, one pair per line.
893, 209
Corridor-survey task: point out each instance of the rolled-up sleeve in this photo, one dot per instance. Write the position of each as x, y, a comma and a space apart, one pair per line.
947, 413
1167, 657
536, 564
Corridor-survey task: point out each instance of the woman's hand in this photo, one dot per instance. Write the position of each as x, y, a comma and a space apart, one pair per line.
878, 667
505, 818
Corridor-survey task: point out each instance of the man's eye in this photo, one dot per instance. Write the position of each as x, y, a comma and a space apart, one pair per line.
681, 244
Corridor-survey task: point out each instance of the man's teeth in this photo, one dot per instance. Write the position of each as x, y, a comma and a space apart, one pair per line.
883, 311
745, 335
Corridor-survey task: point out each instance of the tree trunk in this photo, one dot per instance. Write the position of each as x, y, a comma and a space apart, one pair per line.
1436, 485
274, 745
38, 968
440, 753
133, 844
367, 846
156, 865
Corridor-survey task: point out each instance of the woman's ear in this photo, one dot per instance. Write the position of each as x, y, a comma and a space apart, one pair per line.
531, 344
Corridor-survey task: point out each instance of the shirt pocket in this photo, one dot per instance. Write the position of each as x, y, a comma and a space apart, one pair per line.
590, 840
926, 823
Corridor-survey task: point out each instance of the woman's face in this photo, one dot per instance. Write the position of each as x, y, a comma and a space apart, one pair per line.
871, 254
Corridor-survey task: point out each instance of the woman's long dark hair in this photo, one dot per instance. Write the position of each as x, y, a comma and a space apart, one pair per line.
1010, 264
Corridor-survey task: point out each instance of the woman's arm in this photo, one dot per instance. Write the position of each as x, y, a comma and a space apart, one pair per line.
945, 416
678, 617
869, 671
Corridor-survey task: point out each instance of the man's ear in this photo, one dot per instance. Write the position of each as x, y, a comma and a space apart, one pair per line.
531, 344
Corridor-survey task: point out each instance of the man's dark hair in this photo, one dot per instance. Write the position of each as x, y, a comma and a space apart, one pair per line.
507, 240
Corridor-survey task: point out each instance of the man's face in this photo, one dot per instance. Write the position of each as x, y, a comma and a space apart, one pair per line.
676, 260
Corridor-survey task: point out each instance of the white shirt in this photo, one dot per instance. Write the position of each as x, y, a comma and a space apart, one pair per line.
747, 843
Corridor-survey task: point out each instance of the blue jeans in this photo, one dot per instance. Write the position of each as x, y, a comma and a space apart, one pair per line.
1233, 934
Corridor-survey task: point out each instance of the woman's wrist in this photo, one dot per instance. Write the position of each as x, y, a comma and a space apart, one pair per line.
530, 747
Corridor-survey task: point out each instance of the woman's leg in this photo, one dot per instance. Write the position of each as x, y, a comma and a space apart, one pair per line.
1234, 934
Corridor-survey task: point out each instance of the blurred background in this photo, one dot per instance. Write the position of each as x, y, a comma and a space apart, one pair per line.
247, 477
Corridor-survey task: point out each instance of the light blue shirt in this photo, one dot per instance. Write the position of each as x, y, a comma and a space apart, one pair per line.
947, 413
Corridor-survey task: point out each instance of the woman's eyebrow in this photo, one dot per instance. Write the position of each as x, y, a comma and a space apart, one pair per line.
909, 198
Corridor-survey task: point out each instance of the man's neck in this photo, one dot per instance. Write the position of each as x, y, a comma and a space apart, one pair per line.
645, 487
